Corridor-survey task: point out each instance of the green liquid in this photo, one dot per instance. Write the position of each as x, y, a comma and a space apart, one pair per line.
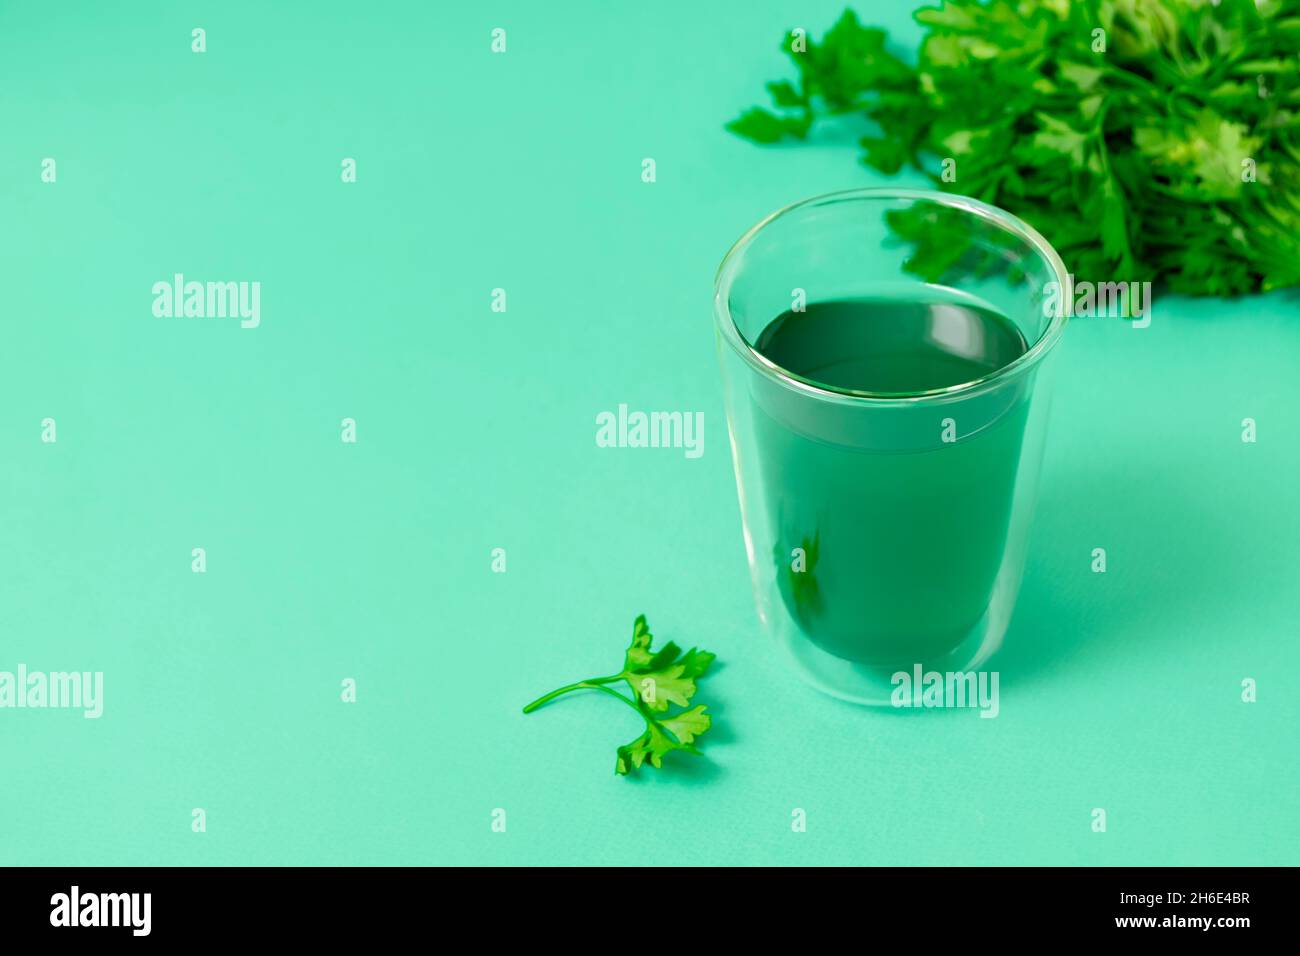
890, 346
902, 532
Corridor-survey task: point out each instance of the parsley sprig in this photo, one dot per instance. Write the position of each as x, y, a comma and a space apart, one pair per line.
660, 681
1146, 139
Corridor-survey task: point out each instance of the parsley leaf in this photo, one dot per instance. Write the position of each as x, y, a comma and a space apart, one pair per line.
660, 681
1158, 139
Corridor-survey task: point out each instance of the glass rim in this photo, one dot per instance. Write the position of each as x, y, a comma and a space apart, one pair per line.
1004, 220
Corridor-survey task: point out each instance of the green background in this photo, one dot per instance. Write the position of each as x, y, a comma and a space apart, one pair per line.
476, 430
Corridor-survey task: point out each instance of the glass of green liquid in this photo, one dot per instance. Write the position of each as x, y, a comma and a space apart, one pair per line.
884, 361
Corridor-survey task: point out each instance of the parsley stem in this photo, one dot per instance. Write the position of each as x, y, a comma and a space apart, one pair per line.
591, 683
614, 693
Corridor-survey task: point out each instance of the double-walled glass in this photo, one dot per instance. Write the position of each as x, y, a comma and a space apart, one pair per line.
885, 531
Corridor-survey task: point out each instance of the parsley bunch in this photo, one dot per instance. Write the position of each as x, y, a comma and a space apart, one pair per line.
659, 680
1146, 139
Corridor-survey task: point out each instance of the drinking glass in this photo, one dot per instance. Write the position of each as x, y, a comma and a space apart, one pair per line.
886, 530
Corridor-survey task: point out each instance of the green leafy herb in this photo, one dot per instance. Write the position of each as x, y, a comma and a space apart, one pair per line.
1153, 139
660, 681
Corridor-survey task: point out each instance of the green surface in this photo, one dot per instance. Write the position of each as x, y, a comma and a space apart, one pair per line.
476, 430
